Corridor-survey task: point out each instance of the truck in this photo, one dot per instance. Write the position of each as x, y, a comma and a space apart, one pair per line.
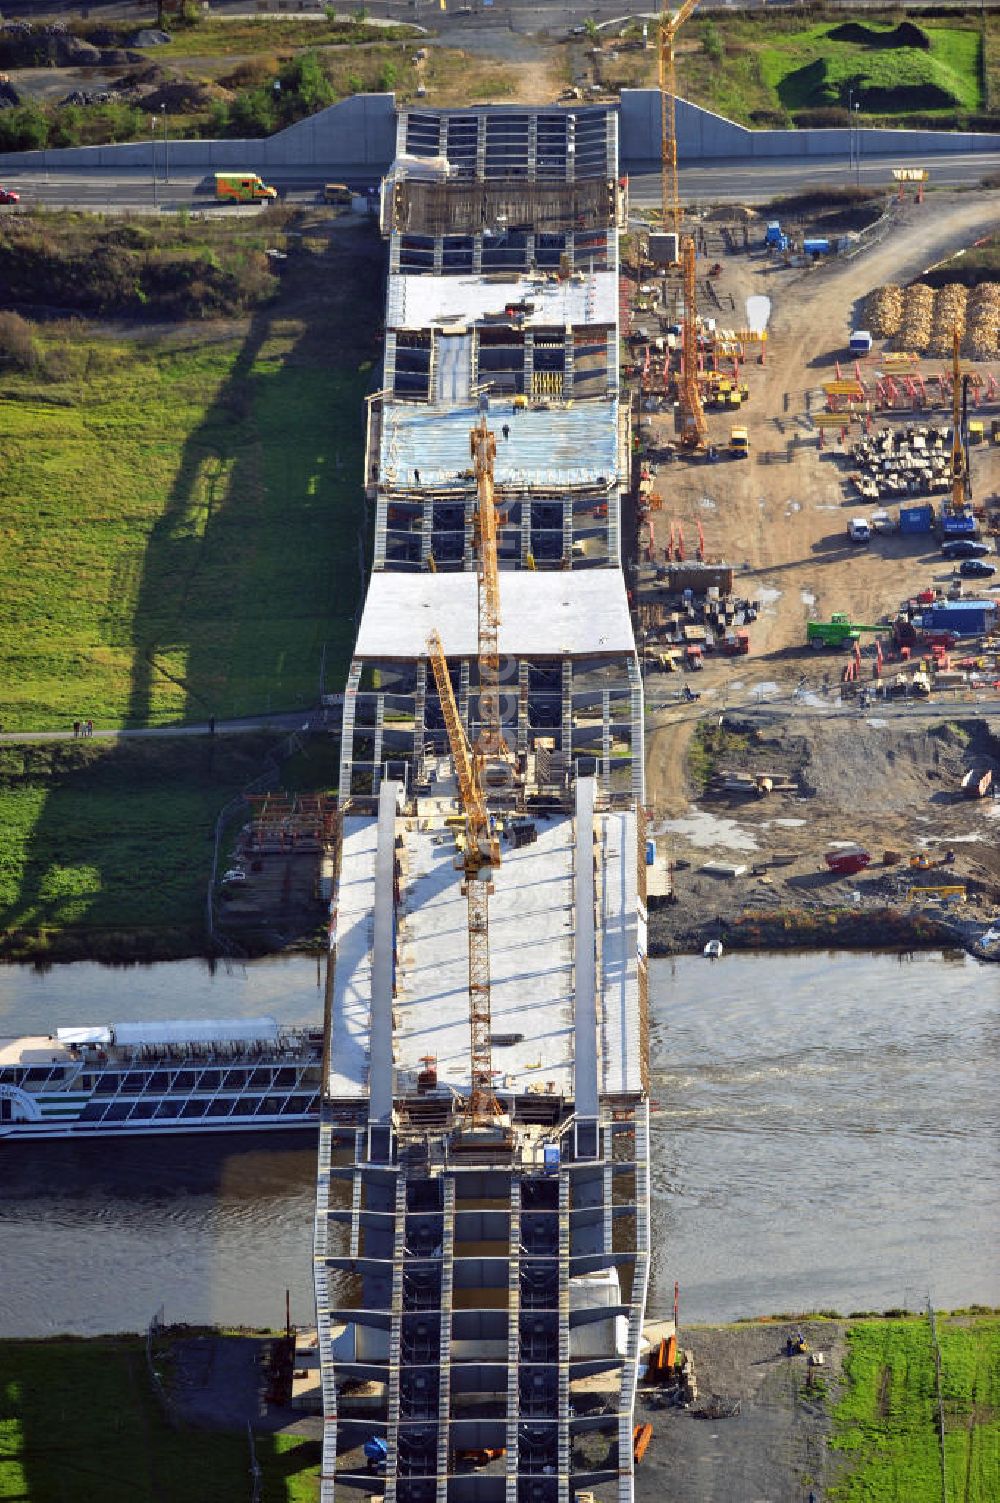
242, 188
775, 237
739, 443
858, 530
839, 631
861, 342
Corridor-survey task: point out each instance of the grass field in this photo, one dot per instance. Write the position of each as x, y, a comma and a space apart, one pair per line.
183, 511
107, 850
809, 69
764, 71
885, 1424
77, 1420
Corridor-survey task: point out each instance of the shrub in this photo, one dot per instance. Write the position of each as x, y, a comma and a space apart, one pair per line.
24, 128
17, 343
711, 42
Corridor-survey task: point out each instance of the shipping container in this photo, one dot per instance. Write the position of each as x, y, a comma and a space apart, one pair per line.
916, 518
817, 247
968, 618
958, 524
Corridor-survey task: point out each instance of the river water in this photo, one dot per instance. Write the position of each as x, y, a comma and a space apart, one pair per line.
826, 1136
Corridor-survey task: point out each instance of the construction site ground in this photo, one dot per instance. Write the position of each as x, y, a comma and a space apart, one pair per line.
781, 520
757, 1429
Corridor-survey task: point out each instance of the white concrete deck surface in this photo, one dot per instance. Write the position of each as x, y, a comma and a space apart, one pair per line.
574, 444
417, 302
556, 613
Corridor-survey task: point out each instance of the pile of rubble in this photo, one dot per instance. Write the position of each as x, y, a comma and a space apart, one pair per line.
949, 315
982, 339
883, 311
918, 316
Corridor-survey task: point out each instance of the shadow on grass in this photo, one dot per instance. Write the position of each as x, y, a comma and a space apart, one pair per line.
250, 582
79, 1420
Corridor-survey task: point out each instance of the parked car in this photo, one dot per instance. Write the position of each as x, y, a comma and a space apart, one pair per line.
975, 568
9, 196
964, 548
235, 874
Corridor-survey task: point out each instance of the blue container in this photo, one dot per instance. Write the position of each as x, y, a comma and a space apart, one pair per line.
960, 524
967, 618
550, 1158
916, 518
650, 852
816, 247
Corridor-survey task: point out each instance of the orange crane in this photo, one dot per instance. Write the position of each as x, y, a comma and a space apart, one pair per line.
670, 198
694, 428
961, 480
483, 447
480, 853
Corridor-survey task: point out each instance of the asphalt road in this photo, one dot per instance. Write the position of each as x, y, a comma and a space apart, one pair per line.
748, 182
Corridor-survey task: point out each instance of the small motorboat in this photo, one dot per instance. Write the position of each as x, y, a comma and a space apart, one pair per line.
713, 949
845, 860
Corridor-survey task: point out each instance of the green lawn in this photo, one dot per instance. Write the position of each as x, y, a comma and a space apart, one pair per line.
764, 70
182, 513
77, 1420
886, 1421
810, 69
108, 849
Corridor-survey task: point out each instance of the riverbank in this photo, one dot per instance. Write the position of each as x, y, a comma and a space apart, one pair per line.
107, 848
751, 871
864, 1424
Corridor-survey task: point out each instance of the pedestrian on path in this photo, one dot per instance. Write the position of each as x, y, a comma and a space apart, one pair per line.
76, 727
90, 727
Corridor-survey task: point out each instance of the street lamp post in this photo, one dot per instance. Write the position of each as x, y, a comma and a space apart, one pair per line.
857, 149
850, 134
166, 171
152, 154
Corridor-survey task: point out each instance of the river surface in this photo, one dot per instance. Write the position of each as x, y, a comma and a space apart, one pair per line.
826, 1136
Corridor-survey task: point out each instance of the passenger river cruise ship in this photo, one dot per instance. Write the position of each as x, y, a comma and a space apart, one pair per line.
154, 1078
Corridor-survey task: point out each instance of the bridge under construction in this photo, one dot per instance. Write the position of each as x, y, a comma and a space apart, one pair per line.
482, 1228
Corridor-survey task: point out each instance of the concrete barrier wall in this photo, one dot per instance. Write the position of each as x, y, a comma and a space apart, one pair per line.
702, 136
357, 135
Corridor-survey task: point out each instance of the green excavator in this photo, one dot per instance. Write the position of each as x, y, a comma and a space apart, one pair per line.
836, 632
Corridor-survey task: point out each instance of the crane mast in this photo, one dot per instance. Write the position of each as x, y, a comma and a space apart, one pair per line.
483, 447
669, 190
694, 428
961, 480
480, 854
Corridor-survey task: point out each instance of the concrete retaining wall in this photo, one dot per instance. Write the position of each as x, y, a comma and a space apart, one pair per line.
357, 135
702, 136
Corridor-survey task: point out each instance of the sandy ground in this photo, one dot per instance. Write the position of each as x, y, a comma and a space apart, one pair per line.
885, 780
783, 526
757, 1431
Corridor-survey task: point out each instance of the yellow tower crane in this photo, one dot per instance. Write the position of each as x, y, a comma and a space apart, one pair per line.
480, 853
670, 25
694, 428
483, 447
961, 479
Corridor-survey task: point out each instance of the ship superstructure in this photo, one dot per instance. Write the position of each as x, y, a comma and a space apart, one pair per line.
151, 1078
482, 1245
